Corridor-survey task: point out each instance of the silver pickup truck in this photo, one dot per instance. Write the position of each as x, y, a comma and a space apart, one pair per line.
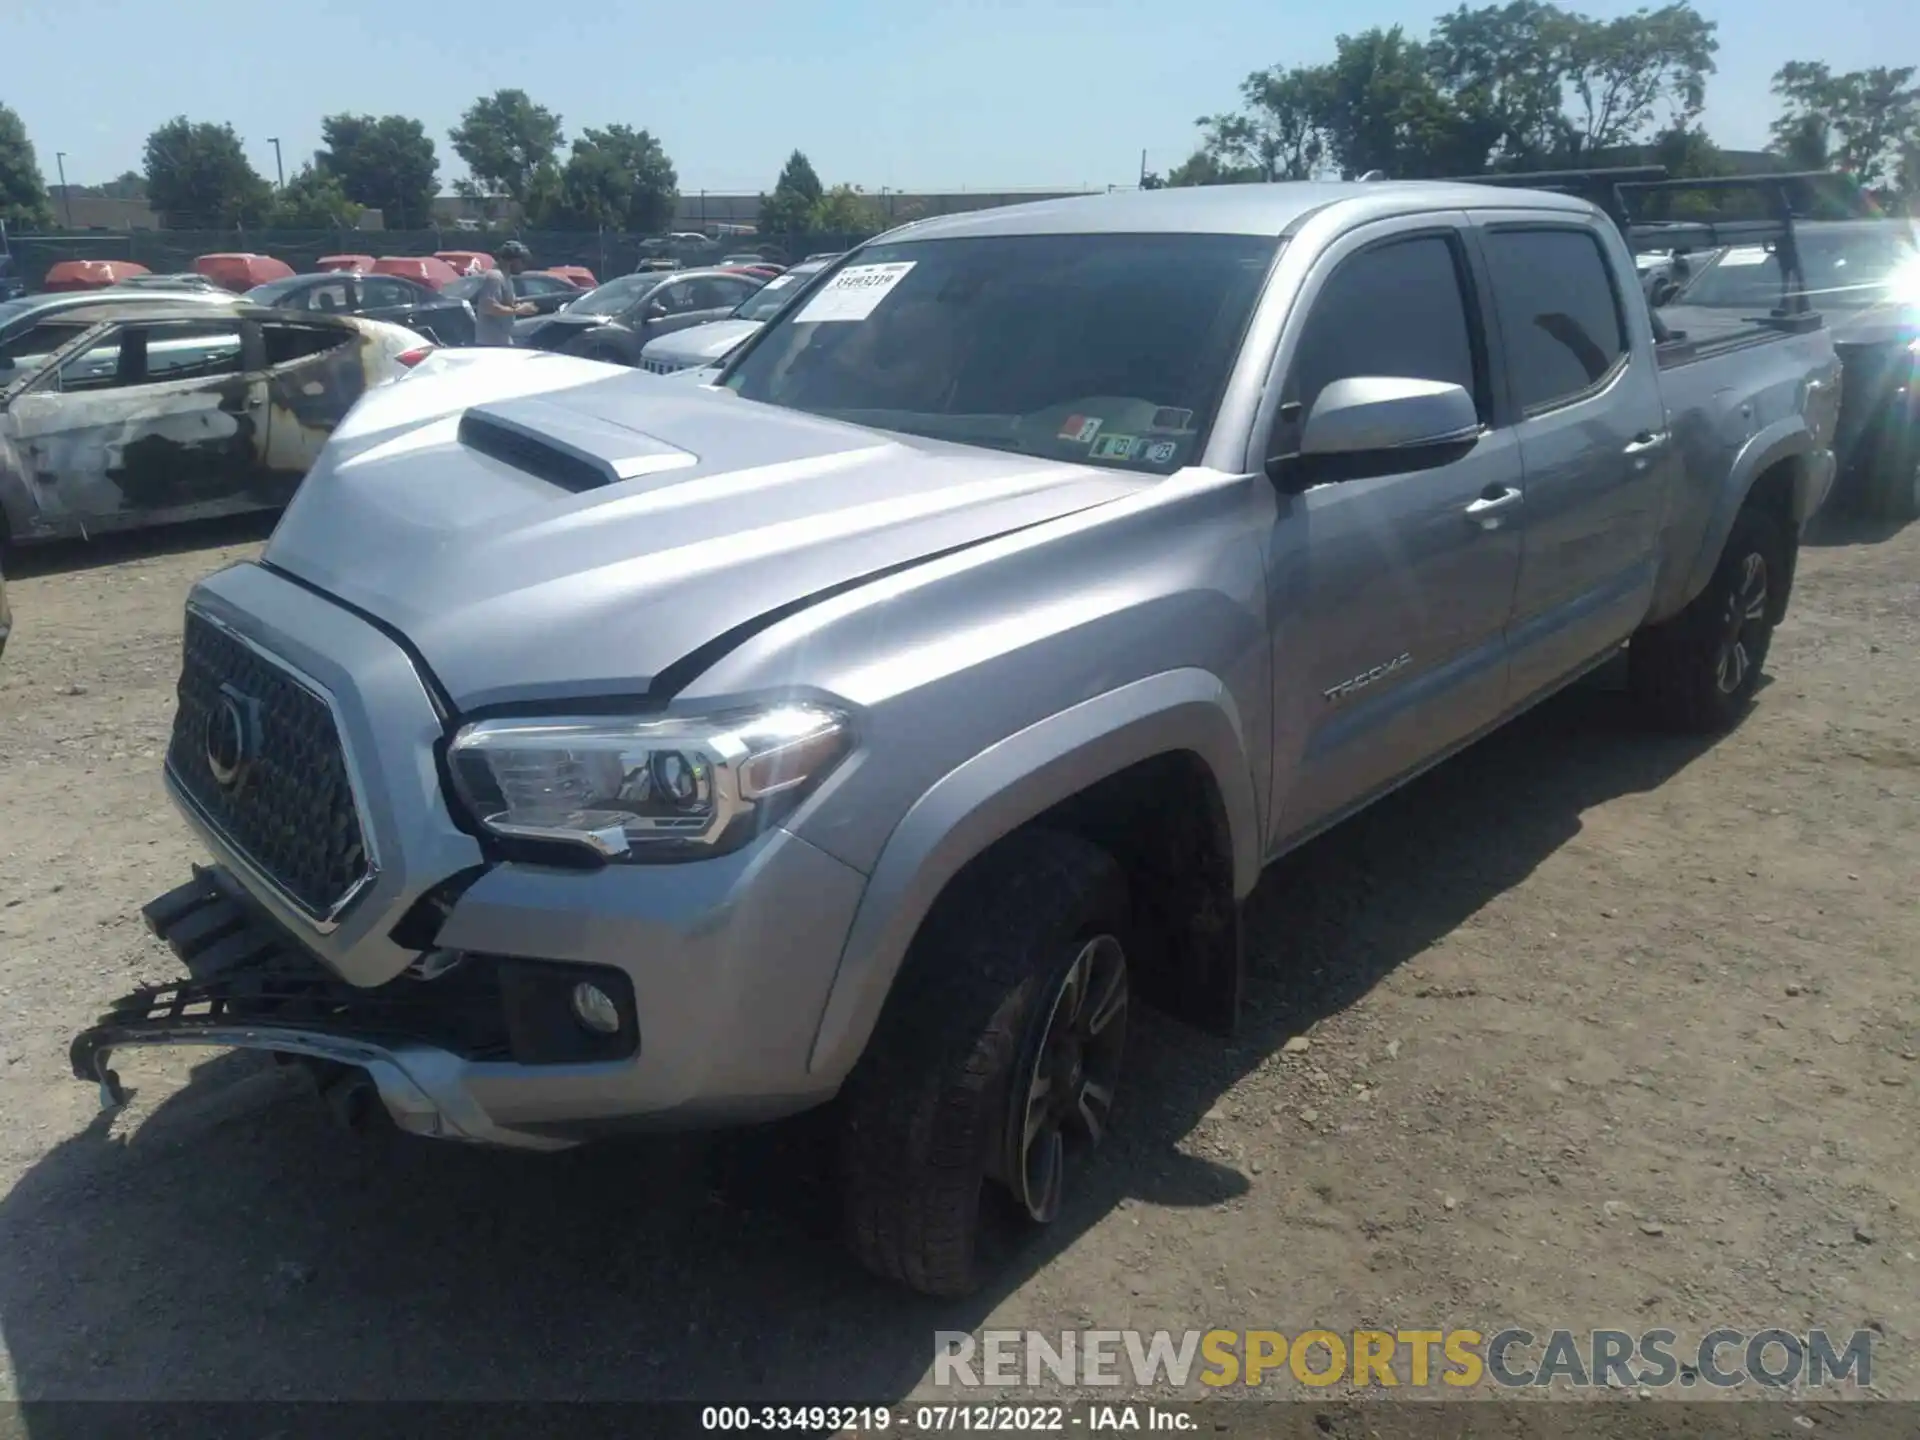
873, 720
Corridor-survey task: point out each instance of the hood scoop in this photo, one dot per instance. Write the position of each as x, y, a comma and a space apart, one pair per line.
570, 450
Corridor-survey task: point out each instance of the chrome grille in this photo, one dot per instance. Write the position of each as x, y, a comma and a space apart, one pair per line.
291, 811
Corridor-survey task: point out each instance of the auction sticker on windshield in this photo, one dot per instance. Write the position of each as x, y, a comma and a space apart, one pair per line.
1745, 255
855, 293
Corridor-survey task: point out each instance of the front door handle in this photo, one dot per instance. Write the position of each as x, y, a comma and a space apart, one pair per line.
1485, 512
1643, 442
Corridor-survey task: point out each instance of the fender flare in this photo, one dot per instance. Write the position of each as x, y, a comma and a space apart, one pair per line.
1787, 439
1004, 787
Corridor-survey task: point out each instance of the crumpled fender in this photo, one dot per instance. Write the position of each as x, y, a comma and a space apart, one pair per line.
1001, 789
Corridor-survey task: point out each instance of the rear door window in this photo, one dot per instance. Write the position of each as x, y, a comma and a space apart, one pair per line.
1560, 318
383, 292
288, 343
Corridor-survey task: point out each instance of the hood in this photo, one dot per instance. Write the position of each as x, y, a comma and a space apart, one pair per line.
700, 343
577, 542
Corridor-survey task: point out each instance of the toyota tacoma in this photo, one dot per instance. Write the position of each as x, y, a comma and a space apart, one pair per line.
877, 718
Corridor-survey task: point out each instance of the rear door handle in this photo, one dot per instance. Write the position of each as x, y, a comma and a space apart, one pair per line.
1485, 512
1643, 442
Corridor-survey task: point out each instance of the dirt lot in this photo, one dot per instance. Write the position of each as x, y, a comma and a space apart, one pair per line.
1605, 1029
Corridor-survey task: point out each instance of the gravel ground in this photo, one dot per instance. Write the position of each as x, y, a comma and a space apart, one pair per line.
1599, 1029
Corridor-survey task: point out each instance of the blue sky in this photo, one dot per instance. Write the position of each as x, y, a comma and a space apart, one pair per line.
945, 94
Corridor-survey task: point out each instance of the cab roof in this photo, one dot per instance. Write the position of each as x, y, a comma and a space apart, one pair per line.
1231, 209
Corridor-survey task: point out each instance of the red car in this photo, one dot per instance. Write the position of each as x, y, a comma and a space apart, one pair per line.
240, 271
574, 275
428, 270
359, 264
90, 274
467, 262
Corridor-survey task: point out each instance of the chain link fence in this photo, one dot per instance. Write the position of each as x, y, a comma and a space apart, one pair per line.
607, 253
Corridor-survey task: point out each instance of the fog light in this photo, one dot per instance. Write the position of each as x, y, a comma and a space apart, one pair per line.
595, 1009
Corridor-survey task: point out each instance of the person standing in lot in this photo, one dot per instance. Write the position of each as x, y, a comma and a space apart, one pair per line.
495, 308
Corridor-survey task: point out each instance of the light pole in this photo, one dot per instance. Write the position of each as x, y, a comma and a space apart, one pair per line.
66, 195
279, 170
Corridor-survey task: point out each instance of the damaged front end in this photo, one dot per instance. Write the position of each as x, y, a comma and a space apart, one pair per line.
251, 985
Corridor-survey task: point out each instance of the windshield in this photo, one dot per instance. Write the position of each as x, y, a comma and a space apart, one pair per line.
765, 302
467, 287
1844, 269
614, 296
11, 310
274, 291
1099, 347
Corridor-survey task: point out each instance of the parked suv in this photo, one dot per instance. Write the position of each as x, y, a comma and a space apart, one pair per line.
878, 719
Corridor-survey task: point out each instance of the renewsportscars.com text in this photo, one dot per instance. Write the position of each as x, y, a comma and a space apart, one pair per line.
1511, 1358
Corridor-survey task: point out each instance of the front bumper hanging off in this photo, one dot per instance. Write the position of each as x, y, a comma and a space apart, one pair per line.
252, 986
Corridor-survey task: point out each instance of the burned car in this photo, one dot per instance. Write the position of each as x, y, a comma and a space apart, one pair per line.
148, 414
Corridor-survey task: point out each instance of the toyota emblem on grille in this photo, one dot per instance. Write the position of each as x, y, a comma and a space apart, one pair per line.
233, 737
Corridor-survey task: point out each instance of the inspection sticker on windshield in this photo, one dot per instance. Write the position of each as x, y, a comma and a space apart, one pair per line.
1113, 447
1745, 255
855, 292
777, 281
1080, 429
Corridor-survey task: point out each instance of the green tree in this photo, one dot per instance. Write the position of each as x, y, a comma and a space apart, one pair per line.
1203, 167
1279, 133
386, 162
1864, 120
789, 209
315, 199
1623, 72
1383, 111
1503, 68
618, 177
23, 194
504, 138
845, 210
198, 175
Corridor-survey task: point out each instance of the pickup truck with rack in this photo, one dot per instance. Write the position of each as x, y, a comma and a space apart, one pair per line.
874, 719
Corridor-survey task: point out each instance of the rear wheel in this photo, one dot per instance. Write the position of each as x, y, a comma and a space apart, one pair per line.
994, 1067
1699, 670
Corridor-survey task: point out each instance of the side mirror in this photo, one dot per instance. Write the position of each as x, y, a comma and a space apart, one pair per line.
1369, 414
1379, 425
656, 311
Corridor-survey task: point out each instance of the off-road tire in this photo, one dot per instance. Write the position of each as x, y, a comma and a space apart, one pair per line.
1674, 667
924, 1115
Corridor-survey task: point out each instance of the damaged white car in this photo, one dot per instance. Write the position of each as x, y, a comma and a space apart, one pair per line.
149, 414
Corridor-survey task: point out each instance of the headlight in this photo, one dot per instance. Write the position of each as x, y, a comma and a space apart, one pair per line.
644, 789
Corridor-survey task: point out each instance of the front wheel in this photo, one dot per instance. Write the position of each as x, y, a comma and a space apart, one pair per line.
994, 1067
1698, 671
